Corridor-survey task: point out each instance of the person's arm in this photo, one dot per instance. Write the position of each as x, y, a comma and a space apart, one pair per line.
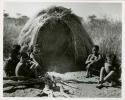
114, 68
99, 58
18, 69
96, 60
88, 60
6, 68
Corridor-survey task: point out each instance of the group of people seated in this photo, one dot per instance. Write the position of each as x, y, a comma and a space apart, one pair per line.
109, 70
22, 63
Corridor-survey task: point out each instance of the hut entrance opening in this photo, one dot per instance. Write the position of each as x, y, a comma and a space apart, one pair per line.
56, 46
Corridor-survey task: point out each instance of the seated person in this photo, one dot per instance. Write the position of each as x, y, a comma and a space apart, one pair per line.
34, 55
109, 71
92, 61
11, 62
26, 67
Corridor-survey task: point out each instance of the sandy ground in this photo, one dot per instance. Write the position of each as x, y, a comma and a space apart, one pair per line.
86, 87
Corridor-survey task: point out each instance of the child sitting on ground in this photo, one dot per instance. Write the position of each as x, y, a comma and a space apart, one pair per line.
26, 67
11, 62
108, 72
92, 61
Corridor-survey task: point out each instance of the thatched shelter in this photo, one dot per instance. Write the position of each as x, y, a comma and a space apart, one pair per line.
59, 38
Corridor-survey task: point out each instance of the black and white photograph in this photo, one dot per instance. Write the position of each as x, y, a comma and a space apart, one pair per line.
62, 49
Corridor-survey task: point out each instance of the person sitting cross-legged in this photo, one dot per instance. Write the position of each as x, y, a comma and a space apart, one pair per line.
92, 61
108, 72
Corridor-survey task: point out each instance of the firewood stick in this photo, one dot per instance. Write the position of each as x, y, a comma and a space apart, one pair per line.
65, 83
15, 78
19, 83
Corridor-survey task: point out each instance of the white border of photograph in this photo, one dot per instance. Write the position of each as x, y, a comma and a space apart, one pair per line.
40, 98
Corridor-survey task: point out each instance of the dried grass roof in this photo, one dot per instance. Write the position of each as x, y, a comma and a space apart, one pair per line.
82, 42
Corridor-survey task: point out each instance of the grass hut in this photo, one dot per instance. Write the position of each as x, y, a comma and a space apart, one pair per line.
60, 40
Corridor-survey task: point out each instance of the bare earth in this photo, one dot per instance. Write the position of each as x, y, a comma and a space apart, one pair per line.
86, 87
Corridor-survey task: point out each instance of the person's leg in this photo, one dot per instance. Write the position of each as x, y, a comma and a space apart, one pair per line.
109, 76
88, 70
33, 71
106, 78
7, 68
115, 80
92, 68
102, 73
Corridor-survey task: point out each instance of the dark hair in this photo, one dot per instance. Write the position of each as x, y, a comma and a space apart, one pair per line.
96, 46
15, 51
113, 56
109, 55
24, 55
16, 47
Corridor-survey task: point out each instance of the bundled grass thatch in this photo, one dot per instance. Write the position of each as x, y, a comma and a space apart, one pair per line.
60, 39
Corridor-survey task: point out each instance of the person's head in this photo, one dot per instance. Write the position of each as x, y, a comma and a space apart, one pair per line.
14, 52
95, 49
16, 47
110, 58
13, 55
24, 48
24, 57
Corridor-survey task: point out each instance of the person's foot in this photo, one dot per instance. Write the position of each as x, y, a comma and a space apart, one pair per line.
113, 84
99, 86
100, 82
90, 75
87, 76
